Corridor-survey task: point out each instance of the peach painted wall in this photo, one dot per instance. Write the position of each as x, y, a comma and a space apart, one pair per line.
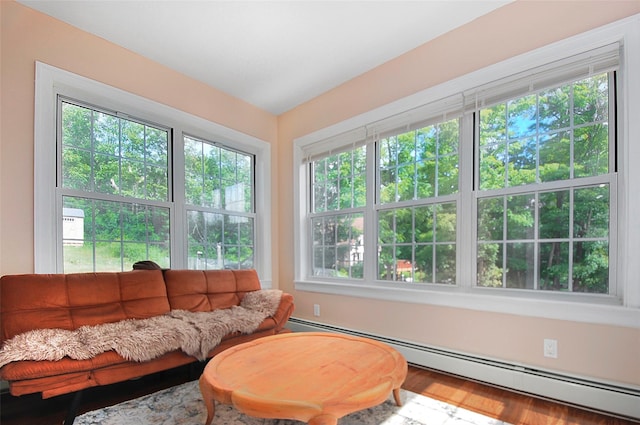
28, 36
602, 352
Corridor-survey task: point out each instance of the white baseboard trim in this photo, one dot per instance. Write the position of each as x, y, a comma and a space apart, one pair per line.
583, 392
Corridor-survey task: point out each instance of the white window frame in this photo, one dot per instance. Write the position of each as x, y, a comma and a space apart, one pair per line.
432, 200
51, 82
331, 213
621, 308
568, 184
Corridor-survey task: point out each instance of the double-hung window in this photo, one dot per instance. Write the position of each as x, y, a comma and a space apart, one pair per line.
338, 185
502, 182
546, 172
384, 207
114, 189
219, 206
121, 179
416, 204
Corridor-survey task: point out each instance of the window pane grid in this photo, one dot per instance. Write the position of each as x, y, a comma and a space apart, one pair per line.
417, 244
419, 164
104, 153
216, 177
541, 155
339, 181
114, 188
219, 240
338, 245
537, 244
338, 199
537, 229
219, 191
101, 235
115, 195
522, 140
416, 212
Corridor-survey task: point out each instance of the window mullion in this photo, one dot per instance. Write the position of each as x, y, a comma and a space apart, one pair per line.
536, 243
571, 134
505, 246
371, 215
178, 214
467, 218
571, 239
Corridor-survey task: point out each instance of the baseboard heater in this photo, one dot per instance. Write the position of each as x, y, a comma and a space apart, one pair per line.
585, 393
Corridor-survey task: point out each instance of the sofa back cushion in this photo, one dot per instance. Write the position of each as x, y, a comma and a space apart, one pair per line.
69, 301
207, 290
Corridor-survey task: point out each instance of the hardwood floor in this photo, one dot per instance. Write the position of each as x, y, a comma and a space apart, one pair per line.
514, 408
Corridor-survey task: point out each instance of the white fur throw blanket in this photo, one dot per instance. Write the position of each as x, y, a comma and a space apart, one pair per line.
144, 339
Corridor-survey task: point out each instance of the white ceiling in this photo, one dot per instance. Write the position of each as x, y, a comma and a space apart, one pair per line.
272, 54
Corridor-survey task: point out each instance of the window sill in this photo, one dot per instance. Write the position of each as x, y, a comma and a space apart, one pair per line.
587, 309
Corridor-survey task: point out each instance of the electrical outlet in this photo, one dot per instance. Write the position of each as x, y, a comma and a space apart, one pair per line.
316, 310
551, 348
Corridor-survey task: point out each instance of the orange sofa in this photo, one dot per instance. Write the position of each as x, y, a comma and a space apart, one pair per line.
69, 301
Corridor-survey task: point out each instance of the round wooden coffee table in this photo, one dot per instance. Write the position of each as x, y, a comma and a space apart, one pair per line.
312, 377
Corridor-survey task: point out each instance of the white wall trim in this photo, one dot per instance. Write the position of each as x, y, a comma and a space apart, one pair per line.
482, 300
44, 222
51, 81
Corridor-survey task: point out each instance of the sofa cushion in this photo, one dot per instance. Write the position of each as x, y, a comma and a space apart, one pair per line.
68, 301
207, 290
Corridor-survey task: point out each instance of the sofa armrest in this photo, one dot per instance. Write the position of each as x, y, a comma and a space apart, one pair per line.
284, 311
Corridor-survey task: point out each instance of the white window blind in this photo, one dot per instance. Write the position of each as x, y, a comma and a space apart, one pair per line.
413, 119
592, 62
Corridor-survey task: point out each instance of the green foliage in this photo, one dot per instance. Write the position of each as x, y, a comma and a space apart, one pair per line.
555, 135
419, 164
541, 228
106, 154
339, 181
337, 242
219, 240
489, 265
421, 237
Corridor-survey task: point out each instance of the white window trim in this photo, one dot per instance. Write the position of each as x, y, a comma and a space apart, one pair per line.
572, 308
52, 81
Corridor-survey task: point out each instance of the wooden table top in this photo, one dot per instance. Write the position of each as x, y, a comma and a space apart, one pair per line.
313, 377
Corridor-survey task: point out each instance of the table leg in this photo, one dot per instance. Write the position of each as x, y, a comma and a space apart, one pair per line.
323, 419
396, 396
207, 396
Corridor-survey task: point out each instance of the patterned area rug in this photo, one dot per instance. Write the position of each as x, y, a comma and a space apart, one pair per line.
182, 405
